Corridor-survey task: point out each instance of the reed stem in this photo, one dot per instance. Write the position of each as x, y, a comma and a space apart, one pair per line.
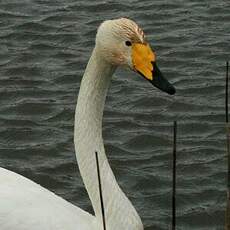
100, 192
227, 214
174, 176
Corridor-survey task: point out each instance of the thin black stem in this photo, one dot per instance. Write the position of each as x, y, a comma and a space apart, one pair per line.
227, 214
174, 176
226, 113
226, 93
100, 192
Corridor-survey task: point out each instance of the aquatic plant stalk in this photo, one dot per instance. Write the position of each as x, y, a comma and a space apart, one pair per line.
100, 192
227, 214
174, 176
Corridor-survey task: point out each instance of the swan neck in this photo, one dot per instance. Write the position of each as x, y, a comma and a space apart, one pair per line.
88, 139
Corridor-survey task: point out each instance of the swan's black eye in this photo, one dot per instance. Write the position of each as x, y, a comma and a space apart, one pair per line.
128, 43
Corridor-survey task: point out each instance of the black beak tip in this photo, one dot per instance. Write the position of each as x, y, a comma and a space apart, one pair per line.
171, 90
160, 82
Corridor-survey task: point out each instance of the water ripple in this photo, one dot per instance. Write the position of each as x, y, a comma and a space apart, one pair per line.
44, 49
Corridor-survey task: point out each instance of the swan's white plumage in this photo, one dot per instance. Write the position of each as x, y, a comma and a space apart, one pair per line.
25, 205
88, 139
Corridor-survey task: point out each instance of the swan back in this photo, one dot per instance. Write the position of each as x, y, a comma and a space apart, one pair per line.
26, 205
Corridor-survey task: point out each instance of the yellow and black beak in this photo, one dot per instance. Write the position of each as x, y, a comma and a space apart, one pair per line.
144, 62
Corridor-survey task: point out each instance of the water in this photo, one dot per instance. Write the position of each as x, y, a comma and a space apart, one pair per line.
45, 46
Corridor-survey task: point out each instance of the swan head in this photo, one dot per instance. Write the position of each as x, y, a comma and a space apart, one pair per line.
122, 42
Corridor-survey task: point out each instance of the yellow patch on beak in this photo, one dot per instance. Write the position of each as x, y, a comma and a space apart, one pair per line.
142, 56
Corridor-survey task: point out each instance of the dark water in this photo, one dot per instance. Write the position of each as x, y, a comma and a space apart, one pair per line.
44, 48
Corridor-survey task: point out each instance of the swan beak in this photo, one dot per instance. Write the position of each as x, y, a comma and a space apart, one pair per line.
144, 62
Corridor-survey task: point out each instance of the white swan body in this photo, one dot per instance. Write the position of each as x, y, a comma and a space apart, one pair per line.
25, 205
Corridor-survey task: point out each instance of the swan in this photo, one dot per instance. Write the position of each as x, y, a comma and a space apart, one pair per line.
25, 205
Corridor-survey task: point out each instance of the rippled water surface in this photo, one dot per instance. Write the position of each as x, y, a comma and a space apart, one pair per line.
44, 48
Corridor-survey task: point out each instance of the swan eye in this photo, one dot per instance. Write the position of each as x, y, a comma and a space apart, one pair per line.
128, 43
